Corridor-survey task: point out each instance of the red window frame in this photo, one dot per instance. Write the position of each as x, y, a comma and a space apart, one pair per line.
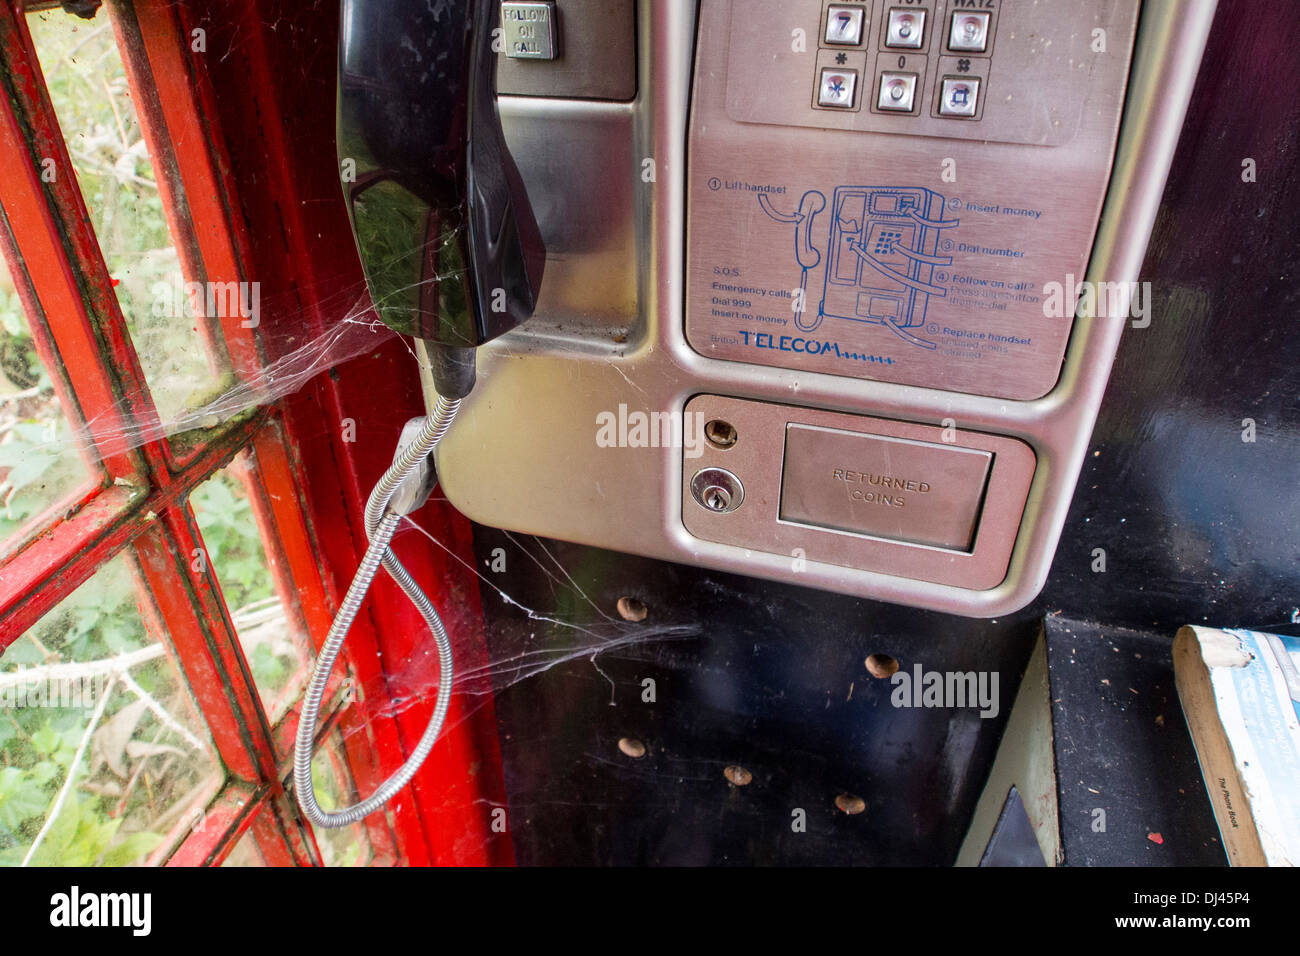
245, 201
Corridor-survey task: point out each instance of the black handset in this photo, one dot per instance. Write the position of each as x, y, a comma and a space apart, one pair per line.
452, 255
450, 247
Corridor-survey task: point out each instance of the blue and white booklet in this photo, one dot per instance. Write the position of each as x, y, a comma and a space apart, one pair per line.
1240, 692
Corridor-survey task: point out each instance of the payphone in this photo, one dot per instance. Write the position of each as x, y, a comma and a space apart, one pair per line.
831, 291
764, 243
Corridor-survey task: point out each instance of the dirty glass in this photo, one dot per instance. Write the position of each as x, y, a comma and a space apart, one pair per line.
273, 641
88, 87
103, 758
40, 463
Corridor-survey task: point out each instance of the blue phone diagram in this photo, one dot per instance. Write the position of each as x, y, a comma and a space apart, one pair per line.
880, 259
805, 253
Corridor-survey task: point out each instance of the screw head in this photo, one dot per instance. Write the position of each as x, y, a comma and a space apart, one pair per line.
720, 434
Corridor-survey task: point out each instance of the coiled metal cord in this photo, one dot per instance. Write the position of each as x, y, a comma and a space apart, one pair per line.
381, 525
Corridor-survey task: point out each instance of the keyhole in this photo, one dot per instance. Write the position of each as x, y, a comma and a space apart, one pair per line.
717, 498
717, 490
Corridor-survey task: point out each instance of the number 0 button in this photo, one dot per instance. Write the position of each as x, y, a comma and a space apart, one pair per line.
897, 92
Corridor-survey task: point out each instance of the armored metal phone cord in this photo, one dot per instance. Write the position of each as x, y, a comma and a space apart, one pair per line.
382, 519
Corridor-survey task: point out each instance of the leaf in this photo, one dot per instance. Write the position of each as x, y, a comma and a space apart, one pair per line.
132, 848
136, 749
21, 798
47, 740
77, 837
45, 771
11, 319
13, 856
109, 744
268, 669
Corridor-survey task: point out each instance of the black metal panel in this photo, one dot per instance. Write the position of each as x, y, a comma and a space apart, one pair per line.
1197, 524
765, 677
1122, 747
1013, 842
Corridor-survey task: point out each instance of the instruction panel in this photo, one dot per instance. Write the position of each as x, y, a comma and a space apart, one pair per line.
953, 263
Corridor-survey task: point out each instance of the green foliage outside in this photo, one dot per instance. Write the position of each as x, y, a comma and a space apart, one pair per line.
140, 772
147, 762
230, 535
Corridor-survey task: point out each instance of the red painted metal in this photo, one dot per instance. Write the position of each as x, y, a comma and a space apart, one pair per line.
282, 514
81, 334
68, 549
193, 622
283, 836
189, 613
65, 553
219, 173
185, 110
270, 64
69, 285
189, 159
226, 819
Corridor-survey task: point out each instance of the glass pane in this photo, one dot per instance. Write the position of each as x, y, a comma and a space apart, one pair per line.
40, 464
245, 852
103, 759
344, 846
87, 83
268, 631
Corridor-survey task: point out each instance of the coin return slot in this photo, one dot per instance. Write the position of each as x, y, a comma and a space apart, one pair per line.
900, 489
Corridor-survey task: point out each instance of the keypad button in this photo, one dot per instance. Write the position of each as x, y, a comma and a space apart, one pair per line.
969, 33
959, 96
905, 29
836, 89
844, 24
897, 92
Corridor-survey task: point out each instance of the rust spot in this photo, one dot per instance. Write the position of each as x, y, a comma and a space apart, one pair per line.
631, 609
1155, 838
737, 775
632, 747
848, 803
881, 665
